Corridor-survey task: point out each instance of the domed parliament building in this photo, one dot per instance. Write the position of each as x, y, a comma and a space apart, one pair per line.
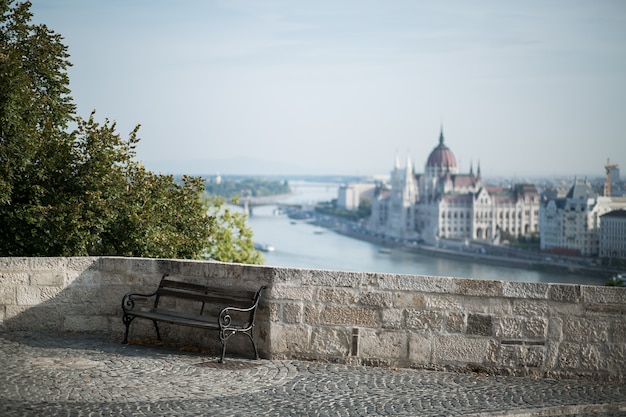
443, 204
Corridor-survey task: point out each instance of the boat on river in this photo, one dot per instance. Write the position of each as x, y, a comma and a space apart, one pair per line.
264, 247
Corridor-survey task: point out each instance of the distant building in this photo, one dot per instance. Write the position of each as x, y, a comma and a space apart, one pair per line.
613, 235
349, 196
442, 204
571, 224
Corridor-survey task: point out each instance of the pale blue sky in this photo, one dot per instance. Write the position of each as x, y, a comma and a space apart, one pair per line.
342, 86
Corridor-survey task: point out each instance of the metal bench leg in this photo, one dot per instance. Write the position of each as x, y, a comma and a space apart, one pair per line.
156, 326
127, 320
223, 351
251, 336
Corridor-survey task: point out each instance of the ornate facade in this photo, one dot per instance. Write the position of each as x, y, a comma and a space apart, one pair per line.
443, 204
571, 224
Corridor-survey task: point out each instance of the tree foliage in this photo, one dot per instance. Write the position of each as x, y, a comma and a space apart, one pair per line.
81, 191
247, 187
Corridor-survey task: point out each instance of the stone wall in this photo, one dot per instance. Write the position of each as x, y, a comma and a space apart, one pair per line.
544, 330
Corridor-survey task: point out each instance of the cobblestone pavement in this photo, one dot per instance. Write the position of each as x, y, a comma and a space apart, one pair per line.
85, 375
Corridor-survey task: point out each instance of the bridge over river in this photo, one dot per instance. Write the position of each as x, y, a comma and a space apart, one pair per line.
249, 203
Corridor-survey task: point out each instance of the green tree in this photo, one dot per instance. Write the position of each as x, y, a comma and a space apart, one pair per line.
82, 192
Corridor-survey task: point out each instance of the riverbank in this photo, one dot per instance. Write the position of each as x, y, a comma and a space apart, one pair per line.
485, 254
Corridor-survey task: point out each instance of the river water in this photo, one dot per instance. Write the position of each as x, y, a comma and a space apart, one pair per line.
302, 245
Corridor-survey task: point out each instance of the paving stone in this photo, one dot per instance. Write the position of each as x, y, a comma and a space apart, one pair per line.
87, 375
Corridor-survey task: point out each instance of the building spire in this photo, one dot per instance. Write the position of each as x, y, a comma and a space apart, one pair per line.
471, 168
441, 135
478, 170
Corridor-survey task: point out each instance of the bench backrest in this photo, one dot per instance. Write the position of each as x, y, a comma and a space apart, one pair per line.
219, 297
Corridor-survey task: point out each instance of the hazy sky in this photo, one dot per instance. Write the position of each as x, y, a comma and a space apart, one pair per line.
342, 86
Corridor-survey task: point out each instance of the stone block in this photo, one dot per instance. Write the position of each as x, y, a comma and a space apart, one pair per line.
312, 313
50, 293
420, 348
493, 351
289, 339
8, 295
393, 318
47, 278
14, 278
565, 309
536, 328
479, 325
13, 311
487, 305
555, 329
80, 294
617, 333
133, 282
603, 295
520, 356
293, 276
510, 328
14, 264
292, 313
90, 277
530, 307
415, 283
565, 292
44, 263
424, 320
616, 359
448, 302
86, 263
115, 264
527, 290
383, 344
455, 322
274, 312
593, 357
478, 287
333, 278
376, 299
578, 329
147, 266
534, 356
284, 292
28, 296
331, 341
351, 316
337, 295
552, 354
408, 299
569, 356
460, 349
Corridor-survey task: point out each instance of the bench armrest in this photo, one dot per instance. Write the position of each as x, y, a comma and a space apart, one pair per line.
128, 302
225, 320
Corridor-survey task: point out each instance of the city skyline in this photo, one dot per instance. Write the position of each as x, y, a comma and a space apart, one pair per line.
256, 87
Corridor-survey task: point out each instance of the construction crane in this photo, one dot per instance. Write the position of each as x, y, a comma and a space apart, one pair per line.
607, 185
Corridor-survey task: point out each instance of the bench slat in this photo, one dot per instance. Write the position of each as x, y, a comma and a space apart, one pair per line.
218, 299
196, 288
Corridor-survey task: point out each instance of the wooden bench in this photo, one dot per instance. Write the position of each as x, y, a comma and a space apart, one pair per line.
226, 310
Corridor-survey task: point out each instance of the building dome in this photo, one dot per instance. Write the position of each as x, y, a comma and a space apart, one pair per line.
441, 159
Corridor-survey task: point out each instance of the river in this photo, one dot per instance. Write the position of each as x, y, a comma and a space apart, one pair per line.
302, 245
